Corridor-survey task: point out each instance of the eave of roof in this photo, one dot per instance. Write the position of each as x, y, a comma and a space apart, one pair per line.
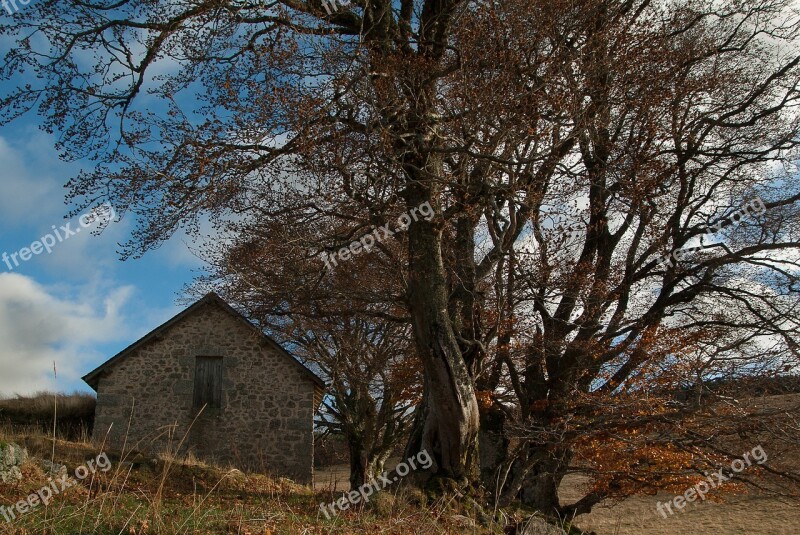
93, 377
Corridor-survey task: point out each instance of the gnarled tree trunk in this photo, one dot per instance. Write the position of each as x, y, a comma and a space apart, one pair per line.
450, 425
363, 466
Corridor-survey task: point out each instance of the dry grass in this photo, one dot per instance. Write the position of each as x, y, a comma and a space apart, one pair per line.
751, 514
168, 496
40, 406
35, 413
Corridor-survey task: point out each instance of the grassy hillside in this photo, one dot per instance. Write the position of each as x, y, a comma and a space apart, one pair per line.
149, 496
140, 495
74, 414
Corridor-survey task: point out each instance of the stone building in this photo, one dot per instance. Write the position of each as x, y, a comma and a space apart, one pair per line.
208, 382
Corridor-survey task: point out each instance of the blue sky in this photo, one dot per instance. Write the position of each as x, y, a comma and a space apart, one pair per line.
78, 305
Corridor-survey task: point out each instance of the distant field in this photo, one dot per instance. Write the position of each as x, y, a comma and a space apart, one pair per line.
746, 514
753, 513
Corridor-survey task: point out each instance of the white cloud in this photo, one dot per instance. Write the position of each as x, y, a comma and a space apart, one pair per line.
39, 327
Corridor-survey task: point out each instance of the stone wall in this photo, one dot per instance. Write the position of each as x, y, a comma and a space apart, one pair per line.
265, 423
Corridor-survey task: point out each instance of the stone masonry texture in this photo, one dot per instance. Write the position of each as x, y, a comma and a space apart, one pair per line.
265, 423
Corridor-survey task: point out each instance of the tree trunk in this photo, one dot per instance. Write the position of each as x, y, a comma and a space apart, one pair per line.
535, 477
493, 447
415, 438
450, 428
540, 488
362, 467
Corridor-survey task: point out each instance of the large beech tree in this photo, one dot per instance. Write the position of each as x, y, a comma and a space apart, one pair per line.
565, 147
